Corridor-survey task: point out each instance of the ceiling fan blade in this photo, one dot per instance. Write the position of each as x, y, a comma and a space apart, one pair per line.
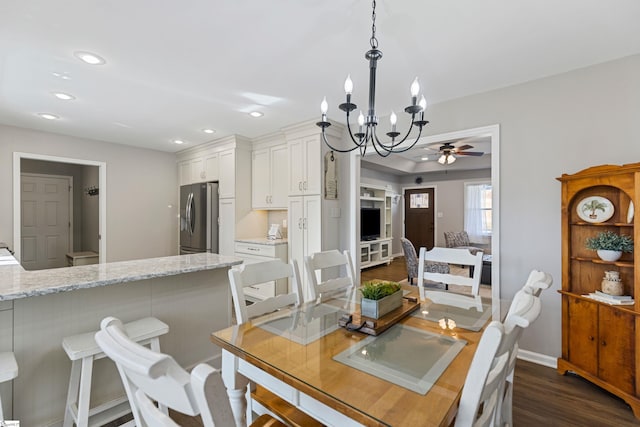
464, 147
469, 153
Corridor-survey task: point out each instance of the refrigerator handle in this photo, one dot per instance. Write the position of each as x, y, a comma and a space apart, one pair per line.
188, 213
192, 215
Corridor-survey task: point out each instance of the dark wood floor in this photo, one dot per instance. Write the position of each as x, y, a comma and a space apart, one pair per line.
541, 397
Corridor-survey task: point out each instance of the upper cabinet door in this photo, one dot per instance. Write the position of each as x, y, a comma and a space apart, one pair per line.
211, 167
297, 166
260, 179
313, 165
279, 176
227, 182
305, 162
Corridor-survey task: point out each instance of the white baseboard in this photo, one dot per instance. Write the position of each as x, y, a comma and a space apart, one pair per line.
538, 358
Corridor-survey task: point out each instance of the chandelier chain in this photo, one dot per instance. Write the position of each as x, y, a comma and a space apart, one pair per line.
366, 134
373, 41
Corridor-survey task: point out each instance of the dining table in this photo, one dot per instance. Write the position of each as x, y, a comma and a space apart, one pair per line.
411, 374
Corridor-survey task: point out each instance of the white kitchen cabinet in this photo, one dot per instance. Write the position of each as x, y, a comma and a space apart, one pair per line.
305, 165
256, 251
269, 177
227, 179
227, 226
202, 168
305, 233
211, 167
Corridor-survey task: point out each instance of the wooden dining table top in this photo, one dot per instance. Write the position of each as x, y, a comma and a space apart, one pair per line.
310, 367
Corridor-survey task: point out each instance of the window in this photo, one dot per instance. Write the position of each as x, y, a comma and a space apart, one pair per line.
419, 201
477, 212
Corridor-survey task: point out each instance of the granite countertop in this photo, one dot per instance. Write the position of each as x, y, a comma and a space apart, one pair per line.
263, 241
16, 282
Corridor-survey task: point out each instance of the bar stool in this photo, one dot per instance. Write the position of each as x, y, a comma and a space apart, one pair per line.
82, 350
8, 371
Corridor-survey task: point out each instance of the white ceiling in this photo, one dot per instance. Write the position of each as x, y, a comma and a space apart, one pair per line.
176, 67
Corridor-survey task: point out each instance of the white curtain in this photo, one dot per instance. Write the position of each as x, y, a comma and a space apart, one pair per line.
477, 212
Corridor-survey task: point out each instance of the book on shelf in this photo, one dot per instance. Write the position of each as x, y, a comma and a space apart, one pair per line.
617, 297
608, 299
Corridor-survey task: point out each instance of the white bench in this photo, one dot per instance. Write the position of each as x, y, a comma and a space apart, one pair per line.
82, 350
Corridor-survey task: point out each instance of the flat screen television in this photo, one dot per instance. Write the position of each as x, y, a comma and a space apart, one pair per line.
369, 223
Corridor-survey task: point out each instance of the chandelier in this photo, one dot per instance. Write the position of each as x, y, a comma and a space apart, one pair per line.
367, 125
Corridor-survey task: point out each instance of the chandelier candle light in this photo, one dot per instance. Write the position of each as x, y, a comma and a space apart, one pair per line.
367, 125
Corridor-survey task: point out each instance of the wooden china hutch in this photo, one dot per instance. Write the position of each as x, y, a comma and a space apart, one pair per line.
600, 341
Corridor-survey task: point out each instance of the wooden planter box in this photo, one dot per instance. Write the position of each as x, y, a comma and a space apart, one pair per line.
378, 308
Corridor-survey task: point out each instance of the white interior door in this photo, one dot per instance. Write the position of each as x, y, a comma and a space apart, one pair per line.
45, 221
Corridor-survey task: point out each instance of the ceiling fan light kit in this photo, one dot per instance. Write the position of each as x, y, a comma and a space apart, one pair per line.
366, 133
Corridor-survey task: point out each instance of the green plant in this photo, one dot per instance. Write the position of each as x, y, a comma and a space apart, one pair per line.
378, 289
610, 241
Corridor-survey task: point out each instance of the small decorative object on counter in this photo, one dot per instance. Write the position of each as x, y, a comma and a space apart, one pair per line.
610, 245
612, 284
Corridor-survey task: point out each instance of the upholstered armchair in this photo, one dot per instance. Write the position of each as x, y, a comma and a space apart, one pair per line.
459, 240
411, 259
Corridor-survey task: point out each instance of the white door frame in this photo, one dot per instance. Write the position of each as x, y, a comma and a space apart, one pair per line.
102, 198
493, 131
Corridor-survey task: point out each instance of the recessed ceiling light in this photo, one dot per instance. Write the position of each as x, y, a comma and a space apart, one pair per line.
63, 96
256, 114
89, 58
48, 116
424, 158
178, 141
63, 76
208, 130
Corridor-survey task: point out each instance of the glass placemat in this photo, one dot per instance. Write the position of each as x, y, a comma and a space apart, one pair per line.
303, 325
406, 356
468, 312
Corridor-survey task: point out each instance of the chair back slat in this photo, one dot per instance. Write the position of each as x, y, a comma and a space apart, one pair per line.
246, 275
323, 288
449, 256
480, 394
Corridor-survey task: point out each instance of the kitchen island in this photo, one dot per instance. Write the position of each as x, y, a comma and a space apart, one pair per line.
38, 309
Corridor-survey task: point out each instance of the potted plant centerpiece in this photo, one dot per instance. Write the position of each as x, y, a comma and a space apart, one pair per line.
610, 245
379, 297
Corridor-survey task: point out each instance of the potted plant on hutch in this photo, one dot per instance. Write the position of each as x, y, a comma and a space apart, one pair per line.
610, 245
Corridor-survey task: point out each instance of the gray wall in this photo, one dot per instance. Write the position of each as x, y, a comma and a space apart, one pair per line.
560, 124
90, 210
141, 185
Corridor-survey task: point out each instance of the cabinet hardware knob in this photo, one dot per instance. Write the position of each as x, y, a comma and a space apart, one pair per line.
604, 343
590, 338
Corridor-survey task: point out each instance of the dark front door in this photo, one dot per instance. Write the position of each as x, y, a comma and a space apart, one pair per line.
419, 217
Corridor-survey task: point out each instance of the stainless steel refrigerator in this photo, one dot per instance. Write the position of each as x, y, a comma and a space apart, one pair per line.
199, 218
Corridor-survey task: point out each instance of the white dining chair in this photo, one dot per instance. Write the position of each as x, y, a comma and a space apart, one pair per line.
449, 256
325, 277
524, 310
247, 275
161, 379
480, 393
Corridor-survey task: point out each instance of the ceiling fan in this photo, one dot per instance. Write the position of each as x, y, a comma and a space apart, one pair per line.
447, 151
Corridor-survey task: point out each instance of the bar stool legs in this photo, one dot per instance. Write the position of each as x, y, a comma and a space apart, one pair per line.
8, 371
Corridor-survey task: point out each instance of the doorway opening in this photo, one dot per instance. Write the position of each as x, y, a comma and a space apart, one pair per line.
489, 133
35, 213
